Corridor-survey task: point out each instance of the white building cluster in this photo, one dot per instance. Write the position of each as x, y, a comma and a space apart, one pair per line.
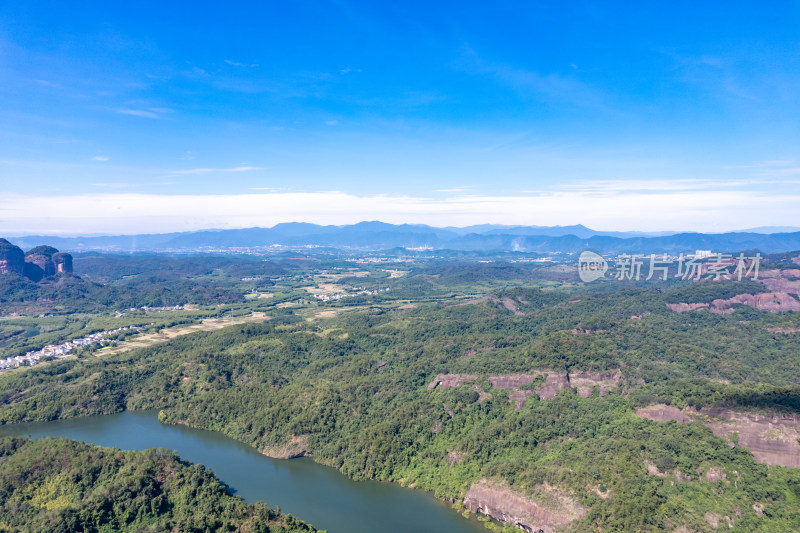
61, 350
340, 295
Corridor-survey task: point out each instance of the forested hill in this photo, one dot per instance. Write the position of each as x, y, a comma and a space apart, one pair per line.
529, 389
608, 406
59, 485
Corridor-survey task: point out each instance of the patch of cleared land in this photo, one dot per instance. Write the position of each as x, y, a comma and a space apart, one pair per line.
325, 313
326, 288
166, 334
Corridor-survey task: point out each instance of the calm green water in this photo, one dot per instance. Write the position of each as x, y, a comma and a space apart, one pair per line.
315, 493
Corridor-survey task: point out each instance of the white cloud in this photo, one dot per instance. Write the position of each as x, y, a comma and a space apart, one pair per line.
138, 213
454, 190
150, 112
138, 113
100, 158
235, 64
207, 170
116, 185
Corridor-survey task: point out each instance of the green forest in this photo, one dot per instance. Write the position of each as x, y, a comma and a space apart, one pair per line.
356, 387
59, 485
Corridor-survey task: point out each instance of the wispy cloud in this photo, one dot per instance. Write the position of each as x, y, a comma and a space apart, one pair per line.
100, 158
48, 83
455, 189
774, 168
651, 186
208, 170
549, 86
236, 64
116, 185
152, 112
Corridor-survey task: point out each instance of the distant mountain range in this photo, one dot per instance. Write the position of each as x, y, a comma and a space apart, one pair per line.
480, 238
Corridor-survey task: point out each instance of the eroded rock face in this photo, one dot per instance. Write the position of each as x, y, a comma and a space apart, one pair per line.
663, 413
683, 307
12, 259
554, 382
586, 381
36, 264
511, 381
446, 381
771, 439
782, 285
62, 262
44, 262
33, 271
773, 302
501, 502
297, 446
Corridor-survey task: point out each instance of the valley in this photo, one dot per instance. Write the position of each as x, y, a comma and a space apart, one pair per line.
489, 384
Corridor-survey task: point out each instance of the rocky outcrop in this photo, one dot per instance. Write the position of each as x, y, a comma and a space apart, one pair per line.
549, 511
12, 259
585, 382
683, 307
662, 413
42, 257
36, 264
446, 381
33, 271
772, 439
297, 446
553, 383
782, 285
511, 381
772, 302
785, 273
62, 262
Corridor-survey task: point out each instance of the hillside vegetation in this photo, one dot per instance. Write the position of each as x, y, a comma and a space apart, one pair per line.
58, 485
446, 393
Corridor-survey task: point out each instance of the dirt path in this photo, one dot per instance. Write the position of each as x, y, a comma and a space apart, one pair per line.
166, 334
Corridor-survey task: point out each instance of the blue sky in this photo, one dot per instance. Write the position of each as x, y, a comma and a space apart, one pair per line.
152, 117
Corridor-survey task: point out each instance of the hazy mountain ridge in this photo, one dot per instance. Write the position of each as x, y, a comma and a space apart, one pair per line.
380, 236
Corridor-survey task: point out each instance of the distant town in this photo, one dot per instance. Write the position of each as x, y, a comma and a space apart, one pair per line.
340, 295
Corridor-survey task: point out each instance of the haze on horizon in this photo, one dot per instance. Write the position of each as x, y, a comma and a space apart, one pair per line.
153, 118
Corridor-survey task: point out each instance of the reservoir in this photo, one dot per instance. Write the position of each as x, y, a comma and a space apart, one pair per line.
312, 492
